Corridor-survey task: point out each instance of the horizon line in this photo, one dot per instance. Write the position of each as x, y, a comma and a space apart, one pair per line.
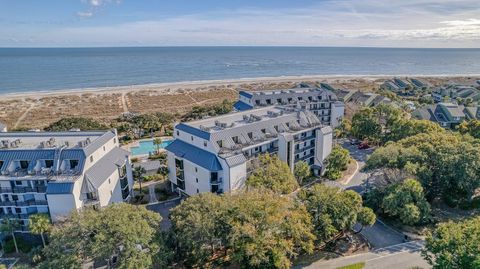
233, 46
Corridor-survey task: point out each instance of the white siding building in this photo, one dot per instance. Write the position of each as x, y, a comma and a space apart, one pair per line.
58, 172
322, 102
217, 154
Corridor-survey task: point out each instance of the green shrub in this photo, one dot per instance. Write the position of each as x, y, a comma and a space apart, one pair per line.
23, 246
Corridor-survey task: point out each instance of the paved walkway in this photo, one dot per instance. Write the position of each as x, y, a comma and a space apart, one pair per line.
400, 256
153, 195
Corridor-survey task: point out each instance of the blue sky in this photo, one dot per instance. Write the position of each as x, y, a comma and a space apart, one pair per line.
383, 23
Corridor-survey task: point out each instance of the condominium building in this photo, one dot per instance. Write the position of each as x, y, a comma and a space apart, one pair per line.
217, 154
321, 101
58, 172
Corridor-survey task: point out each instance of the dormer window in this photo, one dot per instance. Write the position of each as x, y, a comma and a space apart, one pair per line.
24, 164
73, 164
48, 163
220, 143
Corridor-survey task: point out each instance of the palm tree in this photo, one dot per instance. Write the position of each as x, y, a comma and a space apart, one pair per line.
10, 226
138, 173
157, 142
40, 224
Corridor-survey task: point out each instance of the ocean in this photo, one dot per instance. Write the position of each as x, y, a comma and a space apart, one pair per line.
47, 69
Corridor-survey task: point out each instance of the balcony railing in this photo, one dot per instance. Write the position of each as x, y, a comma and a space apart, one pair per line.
23, 203
216, 181
14, 216
40, 189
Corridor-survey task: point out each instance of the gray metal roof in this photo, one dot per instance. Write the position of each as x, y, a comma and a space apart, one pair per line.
99, 142
101, 170
149, 165
236, 160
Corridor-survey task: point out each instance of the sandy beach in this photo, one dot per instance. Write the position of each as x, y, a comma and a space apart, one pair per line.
27, 110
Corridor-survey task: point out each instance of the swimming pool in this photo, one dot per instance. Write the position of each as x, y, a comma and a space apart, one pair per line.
146, 147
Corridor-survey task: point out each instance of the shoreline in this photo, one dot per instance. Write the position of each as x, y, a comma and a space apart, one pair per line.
166, 87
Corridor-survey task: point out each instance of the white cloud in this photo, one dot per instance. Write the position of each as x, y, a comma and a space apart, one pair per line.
94, 6
86, 14
399, 23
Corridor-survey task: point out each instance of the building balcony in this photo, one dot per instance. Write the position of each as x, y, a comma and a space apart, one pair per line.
40, 189
123, 183
217, 181
14, 216
23, 203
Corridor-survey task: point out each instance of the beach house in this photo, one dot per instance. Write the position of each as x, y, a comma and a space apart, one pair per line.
448, 115
456, 92
217, 154
321, 101
58, 172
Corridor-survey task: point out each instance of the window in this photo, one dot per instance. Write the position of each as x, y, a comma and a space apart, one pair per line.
204, 143
14, 197
250, 135
48, 163
235, 139
276, 127
264, 131
191, 137
196, 179
73, 164
103, 148
178, 133
24, 164
109, 181
269, 102
197, 191
91, 159
18, 210
279, 100
18, 182
196, 169
92, 195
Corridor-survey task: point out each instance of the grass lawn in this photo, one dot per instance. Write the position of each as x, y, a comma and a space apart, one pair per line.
360, 265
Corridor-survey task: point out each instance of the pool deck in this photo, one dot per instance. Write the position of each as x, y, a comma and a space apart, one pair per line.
136, 143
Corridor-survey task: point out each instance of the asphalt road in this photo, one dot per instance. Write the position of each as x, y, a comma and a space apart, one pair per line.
401, 256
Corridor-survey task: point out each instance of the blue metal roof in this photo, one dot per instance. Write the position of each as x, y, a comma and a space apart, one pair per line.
245, 94
195, 155
194, 131
241, 106
60, 188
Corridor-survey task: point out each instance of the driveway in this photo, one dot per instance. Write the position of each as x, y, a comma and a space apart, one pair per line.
378, 235
163, 208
